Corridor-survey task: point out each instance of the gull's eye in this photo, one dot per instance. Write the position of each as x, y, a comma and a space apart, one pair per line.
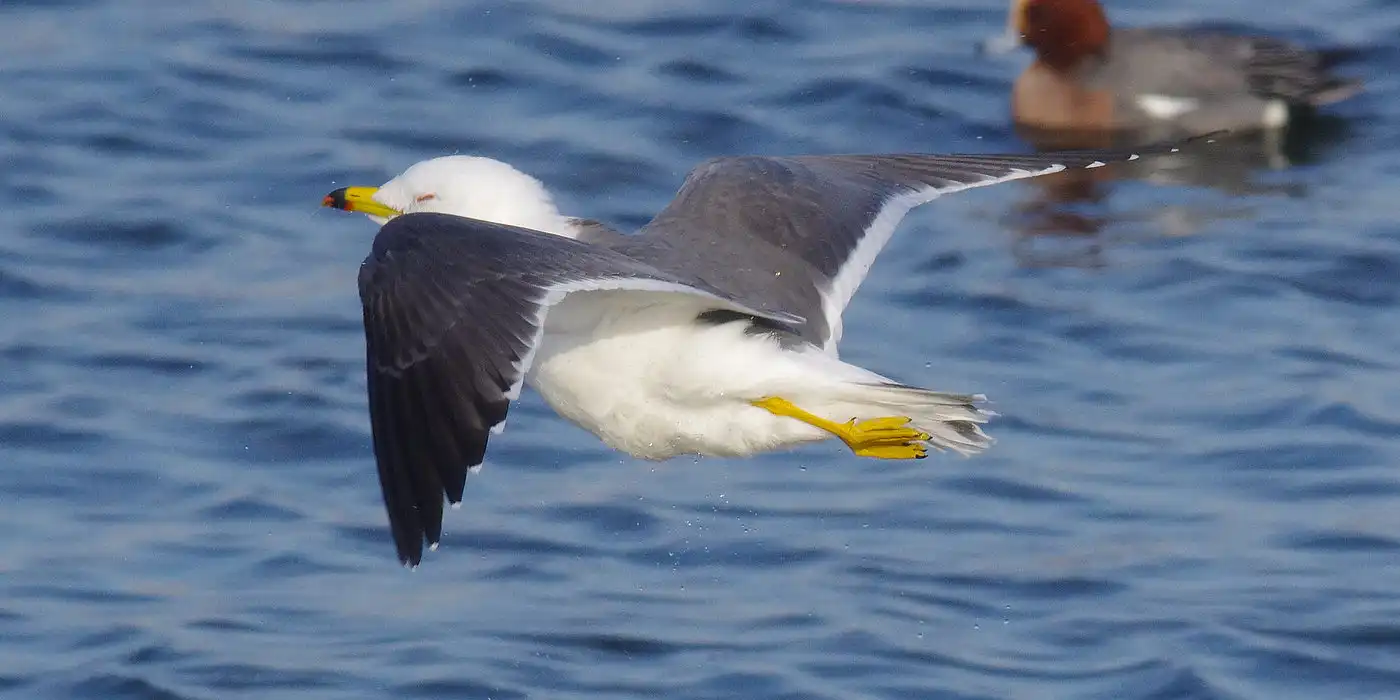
425, 197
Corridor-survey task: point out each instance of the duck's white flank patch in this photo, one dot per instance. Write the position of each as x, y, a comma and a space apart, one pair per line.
1166, 107
1275, 114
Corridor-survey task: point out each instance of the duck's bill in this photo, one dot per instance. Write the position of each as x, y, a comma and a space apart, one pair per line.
359, 199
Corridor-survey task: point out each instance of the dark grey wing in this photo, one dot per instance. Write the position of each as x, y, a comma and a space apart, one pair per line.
800, 233
1214, 63
1293, 74
454, 309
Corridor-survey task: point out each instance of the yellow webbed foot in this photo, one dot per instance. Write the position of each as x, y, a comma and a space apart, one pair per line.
906, 451
884, 438
881, 438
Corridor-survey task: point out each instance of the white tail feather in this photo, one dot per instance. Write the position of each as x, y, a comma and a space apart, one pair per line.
951, 420
840, 391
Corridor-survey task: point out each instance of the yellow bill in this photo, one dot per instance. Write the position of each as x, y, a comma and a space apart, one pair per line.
359, 199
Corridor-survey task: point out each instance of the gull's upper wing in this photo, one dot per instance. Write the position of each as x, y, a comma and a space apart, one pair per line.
454, 309
799, 233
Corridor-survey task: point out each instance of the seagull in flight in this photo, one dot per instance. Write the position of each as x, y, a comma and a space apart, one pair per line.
712, 330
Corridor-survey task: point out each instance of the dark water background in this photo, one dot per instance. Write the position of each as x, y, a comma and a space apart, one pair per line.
1196, 488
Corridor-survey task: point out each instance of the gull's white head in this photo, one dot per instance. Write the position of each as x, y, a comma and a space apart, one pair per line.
471, 186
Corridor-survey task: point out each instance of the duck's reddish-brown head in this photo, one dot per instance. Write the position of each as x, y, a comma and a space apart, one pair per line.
1062, 32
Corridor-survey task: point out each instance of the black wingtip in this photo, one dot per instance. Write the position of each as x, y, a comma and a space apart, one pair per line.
1335, 56
1177, 145
1334, 91
1209, 137
410, 557
410, 553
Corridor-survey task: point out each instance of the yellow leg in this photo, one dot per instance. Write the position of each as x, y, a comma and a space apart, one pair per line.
882, 438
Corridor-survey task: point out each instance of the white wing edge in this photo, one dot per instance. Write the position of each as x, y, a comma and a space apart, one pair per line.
857, 265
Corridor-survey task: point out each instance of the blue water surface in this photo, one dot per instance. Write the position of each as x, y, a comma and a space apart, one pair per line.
1195, 491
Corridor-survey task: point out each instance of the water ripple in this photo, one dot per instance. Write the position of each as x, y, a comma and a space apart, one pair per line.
1192, 495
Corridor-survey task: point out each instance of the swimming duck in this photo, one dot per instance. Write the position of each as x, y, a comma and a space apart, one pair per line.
1090, 77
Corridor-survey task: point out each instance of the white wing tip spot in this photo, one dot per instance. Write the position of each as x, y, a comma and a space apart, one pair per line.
1133, 157
1095, 164
432, 547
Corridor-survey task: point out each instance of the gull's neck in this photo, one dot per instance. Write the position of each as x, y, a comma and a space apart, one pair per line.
527, 205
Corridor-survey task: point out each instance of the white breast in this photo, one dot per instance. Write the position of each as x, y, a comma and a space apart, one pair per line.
637, 371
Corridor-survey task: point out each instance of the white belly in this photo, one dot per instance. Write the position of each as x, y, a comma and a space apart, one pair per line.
635, 370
